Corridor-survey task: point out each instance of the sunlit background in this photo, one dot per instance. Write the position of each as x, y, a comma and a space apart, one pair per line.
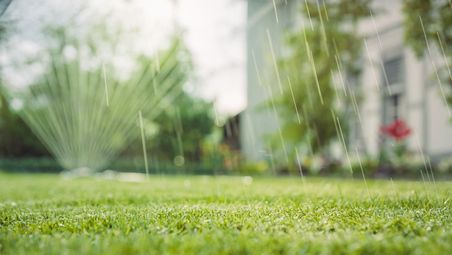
214, 32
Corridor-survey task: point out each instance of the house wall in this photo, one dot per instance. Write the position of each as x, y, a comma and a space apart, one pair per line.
423, 107
259, 121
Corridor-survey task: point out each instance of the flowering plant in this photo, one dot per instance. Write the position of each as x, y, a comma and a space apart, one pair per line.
397, 130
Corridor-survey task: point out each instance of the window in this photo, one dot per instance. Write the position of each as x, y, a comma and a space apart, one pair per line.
391, 108
393, 71
393, 91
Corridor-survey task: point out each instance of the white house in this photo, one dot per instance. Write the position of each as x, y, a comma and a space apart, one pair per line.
394, 82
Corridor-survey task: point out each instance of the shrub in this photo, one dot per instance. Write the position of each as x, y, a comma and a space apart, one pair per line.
253, 168
445, 166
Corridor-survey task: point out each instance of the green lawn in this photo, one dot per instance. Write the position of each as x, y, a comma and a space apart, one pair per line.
47, 214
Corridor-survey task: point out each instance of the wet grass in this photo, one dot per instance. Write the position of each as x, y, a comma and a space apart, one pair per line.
45, 214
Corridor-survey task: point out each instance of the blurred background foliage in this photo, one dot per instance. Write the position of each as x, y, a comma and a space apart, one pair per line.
314, 105
428, 25
319, 72
179, 129
184, 138
16, 138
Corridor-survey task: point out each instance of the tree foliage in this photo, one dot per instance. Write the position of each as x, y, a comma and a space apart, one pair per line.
326, 46
183, 128
16, 138
428, 23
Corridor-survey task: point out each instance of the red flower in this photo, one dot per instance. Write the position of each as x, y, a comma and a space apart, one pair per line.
397, 130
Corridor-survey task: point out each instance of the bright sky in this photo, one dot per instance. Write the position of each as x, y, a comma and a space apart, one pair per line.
216, 36
214, 32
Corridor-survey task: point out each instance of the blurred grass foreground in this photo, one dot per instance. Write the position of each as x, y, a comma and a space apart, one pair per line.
45, 214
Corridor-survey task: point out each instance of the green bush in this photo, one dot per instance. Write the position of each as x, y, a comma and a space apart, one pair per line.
364, 164
445, 166
253, 168
38, 165
48, 165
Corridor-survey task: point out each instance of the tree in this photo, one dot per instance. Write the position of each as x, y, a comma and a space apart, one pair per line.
428, 23
312, 105
15, 136
184, 127
17, 140
179, 131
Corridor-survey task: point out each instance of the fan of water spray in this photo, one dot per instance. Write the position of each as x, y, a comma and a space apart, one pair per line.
85, 116
4, 5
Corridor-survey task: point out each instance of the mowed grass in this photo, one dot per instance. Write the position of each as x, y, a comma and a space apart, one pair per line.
46, 214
